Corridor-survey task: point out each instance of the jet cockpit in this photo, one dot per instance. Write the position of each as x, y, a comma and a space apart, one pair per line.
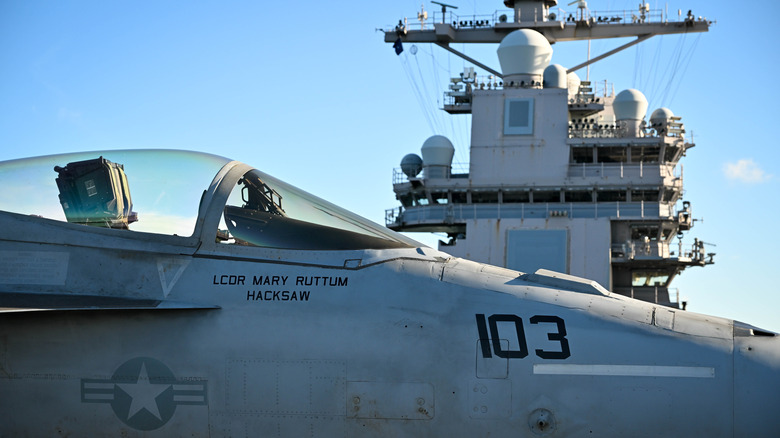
164, 192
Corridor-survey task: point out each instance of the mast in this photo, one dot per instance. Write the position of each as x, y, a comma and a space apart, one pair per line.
448, 28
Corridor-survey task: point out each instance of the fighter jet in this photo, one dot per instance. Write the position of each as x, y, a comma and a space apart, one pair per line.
173, 293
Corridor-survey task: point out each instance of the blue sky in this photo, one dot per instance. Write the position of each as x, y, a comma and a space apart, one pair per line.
310, 93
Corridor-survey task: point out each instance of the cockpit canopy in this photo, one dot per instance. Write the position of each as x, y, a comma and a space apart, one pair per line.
161, 191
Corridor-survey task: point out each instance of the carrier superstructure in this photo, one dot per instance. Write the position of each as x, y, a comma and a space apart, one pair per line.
564, 174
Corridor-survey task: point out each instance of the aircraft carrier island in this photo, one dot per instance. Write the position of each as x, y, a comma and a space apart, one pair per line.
564, 174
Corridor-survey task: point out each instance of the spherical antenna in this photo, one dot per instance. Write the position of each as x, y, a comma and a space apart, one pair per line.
630, 104
573, 82
437, 150
524, 52
554, 76
411, 165
661, 115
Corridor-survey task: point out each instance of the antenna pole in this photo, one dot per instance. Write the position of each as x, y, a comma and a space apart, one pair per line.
444, 10
587, 74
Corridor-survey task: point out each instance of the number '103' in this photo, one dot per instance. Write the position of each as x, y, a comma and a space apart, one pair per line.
490, 341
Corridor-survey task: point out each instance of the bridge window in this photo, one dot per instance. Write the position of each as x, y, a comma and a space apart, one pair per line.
582, 155
644, 195
484, 197
515, 197
647, 154
611, 196
639, 232
649, 278
612, 154
579, 196
547, 196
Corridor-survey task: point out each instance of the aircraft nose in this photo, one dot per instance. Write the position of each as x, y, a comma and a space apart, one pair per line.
756, 381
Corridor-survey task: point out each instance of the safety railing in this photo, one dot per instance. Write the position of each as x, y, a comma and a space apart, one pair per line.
426, 21
636, 249
451, 213
623, 170
457, 170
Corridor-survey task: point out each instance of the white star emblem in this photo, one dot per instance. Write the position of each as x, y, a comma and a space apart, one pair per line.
143, 394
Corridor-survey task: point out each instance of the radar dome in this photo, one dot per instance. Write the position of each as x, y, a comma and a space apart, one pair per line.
524, 52
630, 104
411, 165
437, 151
661, 115
555, 76
573, 83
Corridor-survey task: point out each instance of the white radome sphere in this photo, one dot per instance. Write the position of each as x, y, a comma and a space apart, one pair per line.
661, 115
524, 51
573, 83
437, 151
630, 104
555, 76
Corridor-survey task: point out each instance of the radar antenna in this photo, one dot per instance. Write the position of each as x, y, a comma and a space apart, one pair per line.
582, 5
444, 7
